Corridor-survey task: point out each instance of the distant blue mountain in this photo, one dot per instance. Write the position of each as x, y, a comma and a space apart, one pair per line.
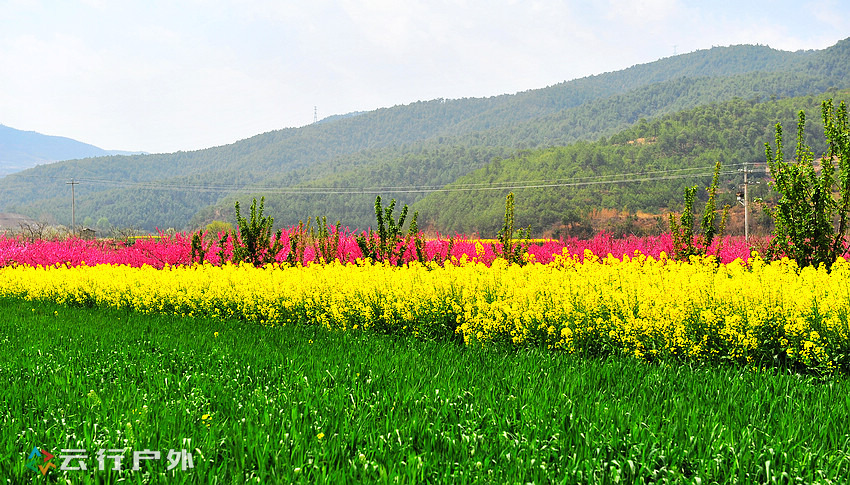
20, 150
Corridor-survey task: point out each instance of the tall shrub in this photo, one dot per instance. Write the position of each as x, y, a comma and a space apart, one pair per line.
511, 250
685, 242
811, 217
389, 243
255, 243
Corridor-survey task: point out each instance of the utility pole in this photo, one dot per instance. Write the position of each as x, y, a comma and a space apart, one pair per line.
73, 207
315, 114
744, 199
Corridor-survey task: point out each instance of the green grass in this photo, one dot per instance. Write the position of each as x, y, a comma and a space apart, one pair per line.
391, 409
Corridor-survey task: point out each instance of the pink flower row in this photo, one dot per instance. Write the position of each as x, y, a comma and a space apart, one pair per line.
176, 250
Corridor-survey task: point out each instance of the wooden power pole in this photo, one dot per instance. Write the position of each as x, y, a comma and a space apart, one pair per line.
72, 183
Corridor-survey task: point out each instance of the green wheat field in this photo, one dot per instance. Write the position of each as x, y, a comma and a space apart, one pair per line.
255, 404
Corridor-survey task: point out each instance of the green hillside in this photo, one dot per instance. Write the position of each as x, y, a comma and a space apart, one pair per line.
422, 144
641, 169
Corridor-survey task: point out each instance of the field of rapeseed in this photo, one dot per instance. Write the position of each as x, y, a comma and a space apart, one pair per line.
569, 368
761, 314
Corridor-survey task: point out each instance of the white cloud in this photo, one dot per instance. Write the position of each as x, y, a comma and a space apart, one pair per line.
828, 12
164, 76
642, 13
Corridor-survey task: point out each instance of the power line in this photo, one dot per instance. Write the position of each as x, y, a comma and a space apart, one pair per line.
612, 179
621, 178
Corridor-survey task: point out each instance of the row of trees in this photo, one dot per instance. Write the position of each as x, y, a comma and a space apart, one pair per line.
812, 213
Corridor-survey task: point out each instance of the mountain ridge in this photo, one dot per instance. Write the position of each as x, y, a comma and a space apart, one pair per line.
23, 149
433, 141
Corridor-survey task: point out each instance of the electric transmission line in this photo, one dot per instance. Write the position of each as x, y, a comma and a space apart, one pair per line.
597, 180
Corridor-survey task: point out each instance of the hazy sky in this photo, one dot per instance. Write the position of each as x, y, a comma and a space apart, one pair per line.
163, 76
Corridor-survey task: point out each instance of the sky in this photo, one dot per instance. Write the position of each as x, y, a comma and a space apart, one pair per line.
167, 75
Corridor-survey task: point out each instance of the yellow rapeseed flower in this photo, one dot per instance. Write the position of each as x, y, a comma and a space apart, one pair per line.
640, 305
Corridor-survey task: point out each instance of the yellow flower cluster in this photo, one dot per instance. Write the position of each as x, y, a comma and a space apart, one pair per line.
697, 310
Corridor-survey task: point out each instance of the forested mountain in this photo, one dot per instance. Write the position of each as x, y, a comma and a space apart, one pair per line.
20, 150
336, 167
641, 169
